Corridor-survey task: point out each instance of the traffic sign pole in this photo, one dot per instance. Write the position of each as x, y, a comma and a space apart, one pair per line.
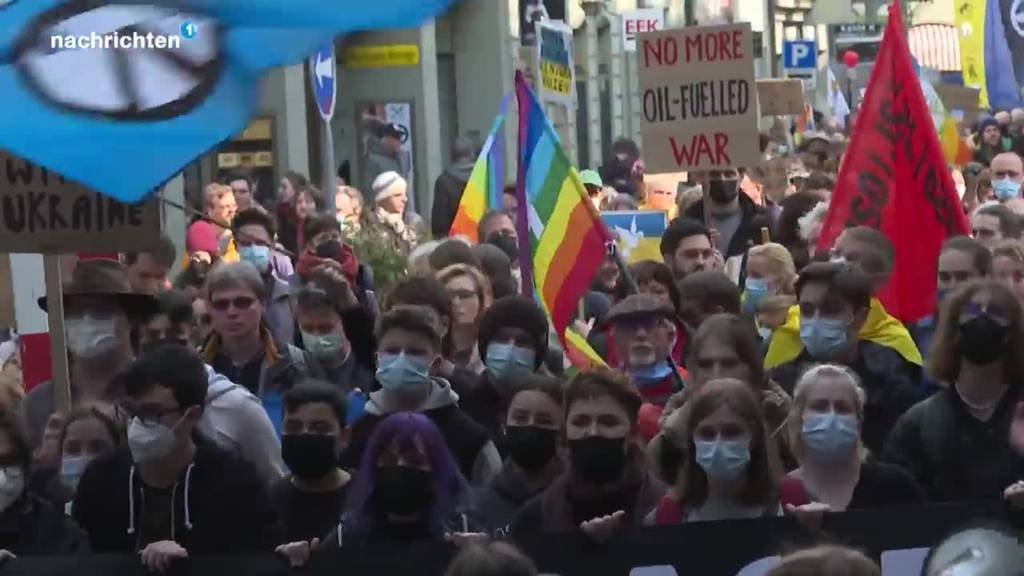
323, 79
800, 60
327, 164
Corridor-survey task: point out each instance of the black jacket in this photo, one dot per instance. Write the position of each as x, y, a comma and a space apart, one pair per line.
338, 537
220, 505
952, 455
468, 442
562, 507
33, 527
891, 384
448, 190
485, 404
748, 234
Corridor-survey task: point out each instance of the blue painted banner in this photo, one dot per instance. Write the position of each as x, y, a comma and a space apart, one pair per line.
121, 96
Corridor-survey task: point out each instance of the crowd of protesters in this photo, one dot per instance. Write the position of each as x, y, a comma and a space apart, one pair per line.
273, 397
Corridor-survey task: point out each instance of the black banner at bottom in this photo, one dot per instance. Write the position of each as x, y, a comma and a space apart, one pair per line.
896, 536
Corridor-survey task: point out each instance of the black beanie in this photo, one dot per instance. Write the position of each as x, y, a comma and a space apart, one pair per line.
515, 312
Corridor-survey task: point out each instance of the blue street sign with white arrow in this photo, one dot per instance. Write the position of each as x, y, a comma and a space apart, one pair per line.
799, 54
322, 72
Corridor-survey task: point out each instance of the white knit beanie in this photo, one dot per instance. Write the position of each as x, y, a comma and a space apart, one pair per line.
388, 184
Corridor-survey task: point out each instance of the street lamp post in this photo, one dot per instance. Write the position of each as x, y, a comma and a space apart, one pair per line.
850, 59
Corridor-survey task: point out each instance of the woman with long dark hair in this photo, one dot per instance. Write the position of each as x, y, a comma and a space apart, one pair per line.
729, 469
957, 442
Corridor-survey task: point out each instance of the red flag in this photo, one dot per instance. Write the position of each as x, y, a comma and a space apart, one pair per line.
894, 178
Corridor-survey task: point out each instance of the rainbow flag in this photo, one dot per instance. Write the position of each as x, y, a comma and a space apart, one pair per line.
567, 239
579, 352
486, 181
954, 149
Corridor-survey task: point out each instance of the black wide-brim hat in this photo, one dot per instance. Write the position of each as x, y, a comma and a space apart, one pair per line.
106, 278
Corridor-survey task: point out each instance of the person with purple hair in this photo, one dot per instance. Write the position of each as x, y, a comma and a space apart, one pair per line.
408, 489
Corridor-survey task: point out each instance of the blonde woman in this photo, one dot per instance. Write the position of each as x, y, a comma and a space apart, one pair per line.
824, 435
348, 205
770, 272
471, 295
1008, 265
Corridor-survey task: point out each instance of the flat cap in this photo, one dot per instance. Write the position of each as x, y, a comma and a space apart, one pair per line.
639, 305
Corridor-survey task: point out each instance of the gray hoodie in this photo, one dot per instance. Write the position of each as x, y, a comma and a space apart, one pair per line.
235, 420
441, 406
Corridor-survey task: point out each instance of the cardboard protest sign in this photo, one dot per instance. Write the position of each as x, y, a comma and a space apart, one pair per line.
779, 97
773, 175
698, 98
41, 212
637, 233
957, 97
637, 21
555, 65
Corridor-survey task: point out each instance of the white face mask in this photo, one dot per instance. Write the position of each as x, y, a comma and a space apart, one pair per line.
90, 336
12, 484
148, 443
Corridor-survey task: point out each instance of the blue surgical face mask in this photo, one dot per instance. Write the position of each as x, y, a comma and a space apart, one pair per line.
1006, 188
764, 332
71, 470
505, 360
723, 460
755, 290
644, 376
258, 256
822, 337
829, 437
402, 372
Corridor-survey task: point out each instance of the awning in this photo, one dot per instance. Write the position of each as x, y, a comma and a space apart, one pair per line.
935, 46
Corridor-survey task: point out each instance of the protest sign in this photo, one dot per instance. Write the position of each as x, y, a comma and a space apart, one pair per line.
899, 537
698, 101
773, 175
555, 66
894, 178
957, 97
637, 233
42, 212
637, 21
779, 97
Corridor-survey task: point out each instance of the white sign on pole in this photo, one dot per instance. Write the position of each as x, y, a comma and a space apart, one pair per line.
556, 69
698, 98
638, 21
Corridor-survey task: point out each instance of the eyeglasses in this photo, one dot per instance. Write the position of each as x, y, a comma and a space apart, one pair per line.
970, 311
148, 414
239, 302
959, 276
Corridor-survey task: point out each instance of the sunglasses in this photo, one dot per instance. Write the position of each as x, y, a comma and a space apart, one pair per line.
240, 303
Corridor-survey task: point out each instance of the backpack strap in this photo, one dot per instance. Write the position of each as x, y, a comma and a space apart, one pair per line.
792, 491
668, 511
